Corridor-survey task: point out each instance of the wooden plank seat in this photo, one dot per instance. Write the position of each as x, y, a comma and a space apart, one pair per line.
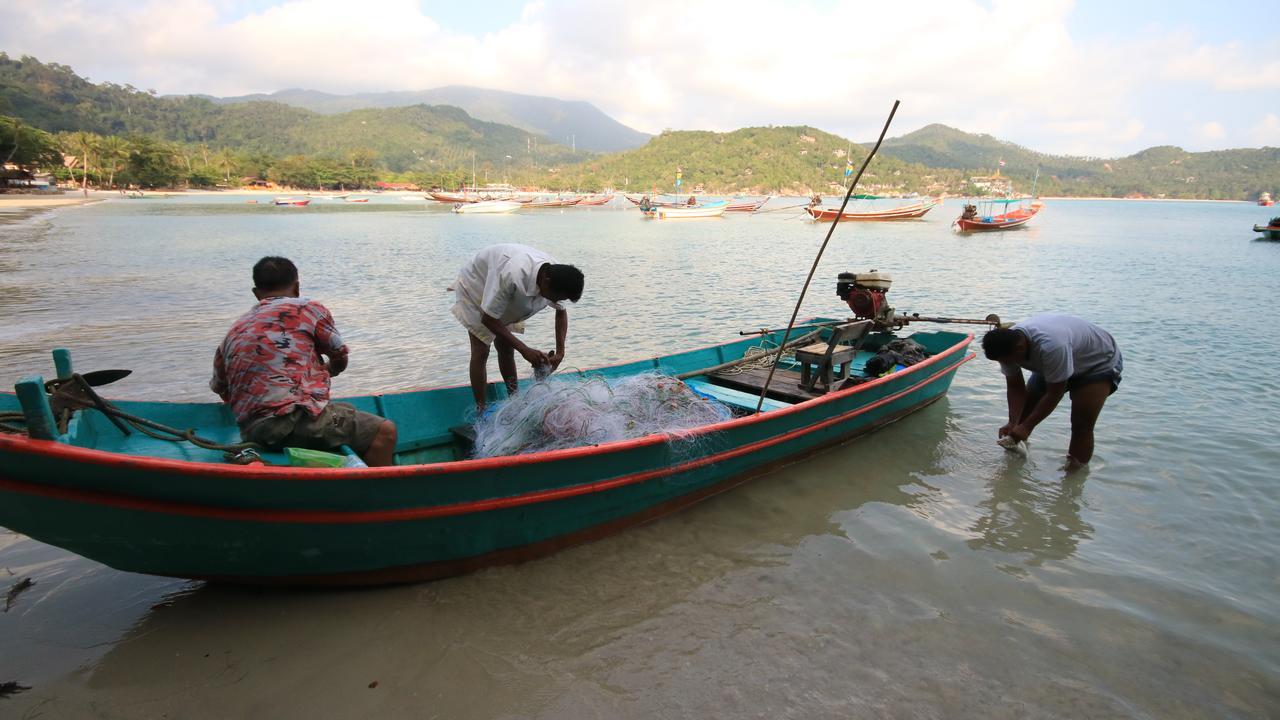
785, 387
819, 360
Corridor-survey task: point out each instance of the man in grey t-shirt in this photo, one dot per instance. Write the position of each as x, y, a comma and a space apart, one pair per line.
1064, 354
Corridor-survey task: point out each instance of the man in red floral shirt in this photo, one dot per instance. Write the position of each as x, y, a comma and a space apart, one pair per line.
271, 370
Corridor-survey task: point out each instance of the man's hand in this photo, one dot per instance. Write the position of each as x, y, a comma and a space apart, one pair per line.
1019, 432
533, 356
555, 359
337, 362
1005, 430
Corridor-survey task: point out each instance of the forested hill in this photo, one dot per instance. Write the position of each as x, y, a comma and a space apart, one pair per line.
761, 160
440, 144
1164, 171
567, 122
423, 138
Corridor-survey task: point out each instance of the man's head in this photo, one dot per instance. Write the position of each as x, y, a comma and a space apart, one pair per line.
560, 282
275, 277
1004, 345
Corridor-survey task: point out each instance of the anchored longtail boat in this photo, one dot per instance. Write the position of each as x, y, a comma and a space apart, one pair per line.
701, 210
997, 214
1270, 231
902, 212
747, 206
593, 200
145, 505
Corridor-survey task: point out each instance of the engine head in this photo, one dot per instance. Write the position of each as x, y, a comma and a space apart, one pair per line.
865, 295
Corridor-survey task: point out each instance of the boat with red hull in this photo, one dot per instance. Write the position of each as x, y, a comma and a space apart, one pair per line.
146, 505
997, 214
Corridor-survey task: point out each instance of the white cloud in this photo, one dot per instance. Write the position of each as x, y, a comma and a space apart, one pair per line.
1266, 132
1002, 67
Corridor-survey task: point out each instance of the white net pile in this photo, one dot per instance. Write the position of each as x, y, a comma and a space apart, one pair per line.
568, 411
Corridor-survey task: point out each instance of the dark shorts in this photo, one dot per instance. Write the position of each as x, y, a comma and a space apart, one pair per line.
338, 424
1036, 382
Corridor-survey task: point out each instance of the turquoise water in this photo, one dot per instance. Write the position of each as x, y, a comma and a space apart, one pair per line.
919, 571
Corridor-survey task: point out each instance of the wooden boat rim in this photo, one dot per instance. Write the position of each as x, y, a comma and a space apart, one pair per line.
53, 448
330, 517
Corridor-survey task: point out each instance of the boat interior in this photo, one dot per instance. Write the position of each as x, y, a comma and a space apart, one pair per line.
433, 423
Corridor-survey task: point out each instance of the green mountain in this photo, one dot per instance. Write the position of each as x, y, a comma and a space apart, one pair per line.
577, 123
1164, 171
760, 160
134, 136
417, 138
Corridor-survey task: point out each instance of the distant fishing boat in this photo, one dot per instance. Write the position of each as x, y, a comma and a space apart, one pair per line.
1265, 200
446, 197
292, 201
488, 207
997, 214
701, 210
747, 206
902, 212
592, 200
357, 200
1270, 231
646, 200
557, 202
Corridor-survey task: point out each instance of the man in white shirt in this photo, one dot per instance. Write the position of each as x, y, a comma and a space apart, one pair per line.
1064, 354
495, 292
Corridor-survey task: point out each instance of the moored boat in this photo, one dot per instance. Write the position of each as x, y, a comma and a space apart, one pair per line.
997, 214
555, 202
593, 200
145, 505
1270, 231
488, 207
901, 212
1265, 200
747, 206
700, 210
292, 201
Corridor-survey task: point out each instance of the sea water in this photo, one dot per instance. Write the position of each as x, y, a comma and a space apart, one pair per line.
920, 571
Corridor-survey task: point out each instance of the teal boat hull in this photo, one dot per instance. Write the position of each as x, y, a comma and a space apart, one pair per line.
145, 506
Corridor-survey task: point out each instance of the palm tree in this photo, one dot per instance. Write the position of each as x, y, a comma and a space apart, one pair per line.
113, 151
226, 160
84, 144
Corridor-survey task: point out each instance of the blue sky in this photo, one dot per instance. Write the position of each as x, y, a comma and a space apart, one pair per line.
1088, 78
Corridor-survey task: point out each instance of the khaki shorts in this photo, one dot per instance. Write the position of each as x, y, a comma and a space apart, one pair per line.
338, 424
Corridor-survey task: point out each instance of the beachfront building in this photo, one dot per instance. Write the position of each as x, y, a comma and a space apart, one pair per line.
994, 184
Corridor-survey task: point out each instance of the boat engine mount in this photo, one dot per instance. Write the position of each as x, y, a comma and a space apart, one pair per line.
865, 294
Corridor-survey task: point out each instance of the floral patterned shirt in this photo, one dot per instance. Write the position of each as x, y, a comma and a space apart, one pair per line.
270, 361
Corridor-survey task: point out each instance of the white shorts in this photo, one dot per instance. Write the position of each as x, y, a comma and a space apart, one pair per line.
467, 310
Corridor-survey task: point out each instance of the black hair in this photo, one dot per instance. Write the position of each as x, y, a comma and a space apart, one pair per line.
274, 273
999, 343
565, 280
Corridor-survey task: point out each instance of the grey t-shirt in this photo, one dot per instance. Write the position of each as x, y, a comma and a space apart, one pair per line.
1061, 347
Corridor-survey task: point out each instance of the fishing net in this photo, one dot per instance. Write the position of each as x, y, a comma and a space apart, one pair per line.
567, 411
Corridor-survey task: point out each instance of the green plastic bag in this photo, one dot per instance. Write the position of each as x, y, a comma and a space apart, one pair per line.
302, 457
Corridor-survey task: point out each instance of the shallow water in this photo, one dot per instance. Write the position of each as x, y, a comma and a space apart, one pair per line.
917, 572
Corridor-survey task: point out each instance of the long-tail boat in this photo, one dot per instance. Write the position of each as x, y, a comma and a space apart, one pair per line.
1270, 231
593, 200
747, 206
997, 214
141, 504
557, 202
902, 212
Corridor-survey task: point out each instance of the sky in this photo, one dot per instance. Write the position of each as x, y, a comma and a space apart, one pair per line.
1094, 78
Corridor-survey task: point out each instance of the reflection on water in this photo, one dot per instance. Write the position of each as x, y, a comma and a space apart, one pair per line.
916, 572
1025, 515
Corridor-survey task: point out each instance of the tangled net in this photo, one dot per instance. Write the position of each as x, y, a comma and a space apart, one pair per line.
565, 412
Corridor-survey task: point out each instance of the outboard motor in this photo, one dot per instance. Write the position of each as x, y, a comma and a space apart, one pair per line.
865, 294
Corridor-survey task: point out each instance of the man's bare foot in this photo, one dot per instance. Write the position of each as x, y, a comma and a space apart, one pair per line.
1072, 465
